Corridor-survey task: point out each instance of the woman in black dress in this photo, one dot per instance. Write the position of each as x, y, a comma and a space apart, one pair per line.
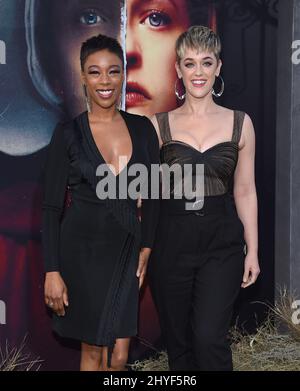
96, 250
198, 261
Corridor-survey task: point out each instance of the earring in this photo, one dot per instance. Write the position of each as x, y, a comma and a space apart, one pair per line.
119, 104
87, 99
121, 101
220, 93
180, 97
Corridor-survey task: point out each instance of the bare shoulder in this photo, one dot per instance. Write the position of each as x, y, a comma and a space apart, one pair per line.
248, 128
248, 121
176, 112
248, 133
225, 111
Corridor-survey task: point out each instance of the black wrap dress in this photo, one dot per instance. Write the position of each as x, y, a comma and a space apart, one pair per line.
94, 243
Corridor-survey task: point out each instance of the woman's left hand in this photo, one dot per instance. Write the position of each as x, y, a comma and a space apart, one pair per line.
251, 270
143, 262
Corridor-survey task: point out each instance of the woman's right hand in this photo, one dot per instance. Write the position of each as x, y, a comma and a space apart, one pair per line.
56, 295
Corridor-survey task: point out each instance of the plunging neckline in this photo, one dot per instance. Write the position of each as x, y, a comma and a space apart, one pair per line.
194, 148
98, 151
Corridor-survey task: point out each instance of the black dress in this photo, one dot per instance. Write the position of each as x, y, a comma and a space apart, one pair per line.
95, 243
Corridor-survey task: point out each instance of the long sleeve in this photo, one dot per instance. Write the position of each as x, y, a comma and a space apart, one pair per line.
56, 177
150, 207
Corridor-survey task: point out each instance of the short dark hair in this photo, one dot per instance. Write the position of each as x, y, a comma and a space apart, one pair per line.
97, 43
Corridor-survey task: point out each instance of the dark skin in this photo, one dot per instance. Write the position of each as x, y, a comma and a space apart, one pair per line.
103, 76
75, 21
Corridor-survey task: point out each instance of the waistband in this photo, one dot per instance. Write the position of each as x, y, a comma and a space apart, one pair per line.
219, 204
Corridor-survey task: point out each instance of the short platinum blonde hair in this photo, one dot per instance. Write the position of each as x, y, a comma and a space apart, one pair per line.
198, 38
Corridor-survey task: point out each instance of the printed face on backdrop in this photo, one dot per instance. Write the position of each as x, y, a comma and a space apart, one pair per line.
46, 36
152, 29
42, 79
47, 61
23, 128
75, 21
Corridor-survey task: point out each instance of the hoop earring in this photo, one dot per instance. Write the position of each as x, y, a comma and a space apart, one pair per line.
87, 99
220, 93
180, 97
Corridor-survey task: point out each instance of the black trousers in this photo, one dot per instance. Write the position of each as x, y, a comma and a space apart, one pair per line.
195, 273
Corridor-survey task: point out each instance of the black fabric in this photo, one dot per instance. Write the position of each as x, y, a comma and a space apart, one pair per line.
67, 167
219, 161
95, 243
195, 272
196, 265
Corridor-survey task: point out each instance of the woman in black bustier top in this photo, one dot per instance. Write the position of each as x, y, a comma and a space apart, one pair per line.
206, 246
